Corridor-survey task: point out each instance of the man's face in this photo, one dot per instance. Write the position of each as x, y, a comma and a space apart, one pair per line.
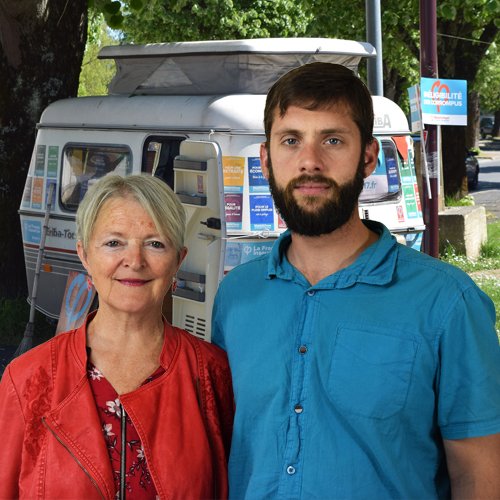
316, 168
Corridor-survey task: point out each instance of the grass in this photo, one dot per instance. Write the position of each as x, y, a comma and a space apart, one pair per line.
466, 201
488, 260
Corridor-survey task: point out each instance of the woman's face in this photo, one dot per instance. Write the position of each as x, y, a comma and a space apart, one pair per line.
131, 264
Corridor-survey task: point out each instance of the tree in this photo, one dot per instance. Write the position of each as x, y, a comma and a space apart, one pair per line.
467, 30
41, 51
95, 73
185, 20
487, 84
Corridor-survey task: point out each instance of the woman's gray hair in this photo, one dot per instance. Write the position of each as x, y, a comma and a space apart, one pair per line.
154, 195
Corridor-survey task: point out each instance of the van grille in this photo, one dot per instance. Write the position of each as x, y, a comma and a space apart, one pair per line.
196, 326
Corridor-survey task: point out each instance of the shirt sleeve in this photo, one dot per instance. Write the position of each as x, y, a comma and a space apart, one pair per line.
12, 434
469, 378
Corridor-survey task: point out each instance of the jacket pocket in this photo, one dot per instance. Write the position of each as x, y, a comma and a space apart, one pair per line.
371, 370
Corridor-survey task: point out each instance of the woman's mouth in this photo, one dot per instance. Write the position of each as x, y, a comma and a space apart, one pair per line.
132, 282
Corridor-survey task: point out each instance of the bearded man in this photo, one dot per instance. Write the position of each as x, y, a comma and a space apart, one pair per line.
361, 368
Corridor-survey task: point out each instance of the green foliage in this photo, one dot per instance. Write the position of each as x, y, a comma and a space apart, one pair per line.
489, 257
96, 74
185, 20
466, 201
487, 82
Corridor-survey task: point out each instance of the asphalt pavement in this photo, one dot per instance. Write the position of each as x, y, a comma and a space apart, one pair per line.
488, 188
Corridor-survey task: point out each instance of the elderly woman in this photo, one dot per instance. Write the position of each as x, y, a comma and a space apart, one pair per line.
127, 404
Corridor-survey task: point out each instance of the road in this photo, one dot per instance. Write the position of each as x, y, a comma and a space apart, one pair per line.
488, 189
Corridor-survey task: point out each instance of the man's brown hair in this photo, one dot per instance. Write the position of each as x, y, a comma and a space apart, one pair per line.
321, 85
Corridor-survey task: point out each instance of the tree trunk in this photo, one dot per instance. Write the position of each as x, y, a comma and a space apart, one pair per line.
453, 148
41, 50
472, 131
496, 124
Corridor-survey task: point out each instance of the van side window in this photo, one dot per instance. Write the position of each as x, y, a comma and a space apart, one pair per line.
384, 184
158, 157
85, 164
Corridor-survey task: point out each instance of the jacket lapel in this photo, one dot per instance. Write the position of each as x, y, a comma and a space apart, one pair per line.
76, 425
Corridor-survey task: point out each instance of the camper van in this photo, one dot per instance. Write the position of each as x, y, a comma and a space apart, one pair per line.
192, 114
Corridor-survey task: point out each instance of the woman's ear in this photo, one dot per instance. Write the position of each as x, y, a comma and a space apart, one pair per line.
182, 255
82, 255
371, 157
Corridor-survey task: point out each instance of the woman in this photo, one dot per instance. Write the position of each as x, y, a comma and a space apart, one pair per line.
126, 405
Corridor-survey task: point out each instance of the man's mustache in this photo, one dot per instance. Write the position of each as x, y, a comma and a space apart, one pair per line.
317, 179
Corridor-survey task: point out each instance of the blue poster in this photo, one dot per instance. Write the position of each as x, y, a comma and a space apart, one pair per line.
257, 183
261, 212
239, 252
32, 231
444, 102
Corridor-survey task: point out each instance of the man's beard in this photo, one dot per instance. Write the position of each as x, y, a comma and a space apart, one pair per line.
323, 216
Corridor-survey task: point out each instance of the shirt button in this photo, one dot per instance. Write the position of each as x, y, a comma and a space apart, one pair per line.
302, 349
298, 409
290, 470
310, 293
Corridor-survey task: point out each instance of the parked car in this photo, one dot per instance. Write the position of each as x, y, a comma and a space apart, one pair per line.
472, 168
486, 126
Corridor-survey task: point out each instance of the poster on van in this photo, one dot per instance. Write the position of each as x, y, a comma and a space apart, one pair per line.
257, 183
239, 251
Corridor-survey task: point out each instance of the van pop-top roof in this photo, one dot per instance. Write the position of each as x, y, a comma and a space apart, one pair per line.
222, 66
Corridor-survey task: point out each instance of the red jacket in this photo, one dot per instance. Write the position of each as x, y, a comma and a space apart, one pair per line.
52, 444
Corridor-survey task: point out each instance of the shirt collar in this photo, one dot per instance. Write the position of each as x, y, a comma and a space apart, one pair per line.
375, 265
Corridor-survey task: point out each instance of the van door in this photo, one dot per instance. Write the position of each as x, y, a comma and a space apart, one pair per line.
198, 184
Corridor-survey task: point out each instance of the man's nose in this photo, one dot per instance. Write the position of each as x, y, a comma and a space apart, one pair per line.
311, 159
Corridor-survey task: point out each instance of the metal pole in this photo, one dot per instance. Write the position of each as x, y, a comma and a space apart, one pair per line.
429, 69
374, 36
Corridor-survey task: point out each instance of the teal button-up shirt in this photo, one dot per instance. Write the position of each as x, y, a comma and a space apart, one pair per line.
345, 389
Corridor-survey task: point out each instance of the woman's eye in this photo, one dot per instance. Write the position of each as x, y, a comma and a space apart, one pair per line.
157, 244
112, 243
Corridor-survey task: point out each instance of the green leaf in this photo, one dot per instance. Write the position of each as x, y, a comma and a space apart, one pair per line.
136, 4
447, 12
115, 21
112, 8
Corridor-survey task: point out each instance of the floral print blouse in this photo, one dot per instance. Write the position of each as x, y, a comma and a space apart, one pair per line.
138, 482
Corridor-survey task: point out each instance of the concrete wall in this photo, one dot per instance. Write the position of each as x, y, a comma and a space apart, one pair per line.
464, 228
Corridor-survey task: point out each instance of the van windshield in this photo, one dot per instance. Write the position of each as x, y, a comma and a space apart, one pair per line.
83, 165
384, 184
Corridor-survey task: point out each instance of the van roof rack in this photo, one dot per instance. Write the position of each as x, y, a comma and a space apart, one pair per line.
222, 66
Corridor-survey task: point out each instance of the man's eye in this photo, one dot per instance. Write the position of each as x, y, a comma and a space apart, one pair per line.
290, 141
333, 140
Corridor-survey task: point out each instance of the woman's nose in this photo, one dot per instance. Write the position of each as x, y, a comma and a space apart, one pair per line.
134, 256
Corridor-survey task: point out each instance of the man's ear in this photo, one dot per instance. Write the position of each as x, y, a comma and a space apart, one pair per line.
264, 158
371, 157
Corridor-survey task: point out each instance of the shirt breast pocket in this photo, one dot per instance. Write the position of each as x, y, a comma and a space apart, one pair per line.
371, 371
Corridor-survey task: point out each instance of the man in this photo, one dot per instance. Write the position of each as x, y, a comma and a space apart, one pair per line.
362, 369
